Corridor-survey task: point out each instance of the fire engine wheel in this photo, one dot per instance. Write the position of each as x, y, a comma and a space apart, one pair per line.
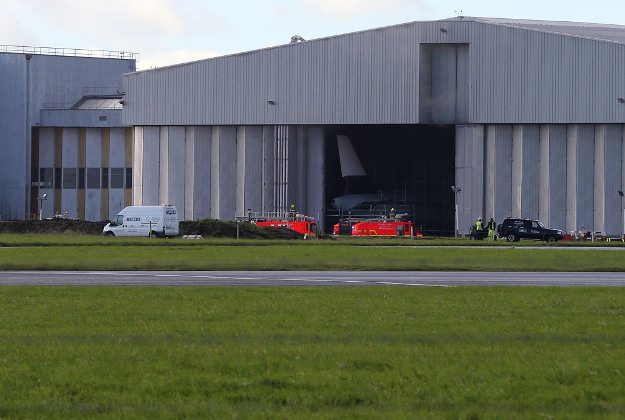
109, 234
511, 237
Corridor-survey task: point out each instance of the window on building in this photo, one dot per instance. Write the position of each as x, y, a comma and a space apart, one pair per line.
46, 177
128, 177
93, 178
117, 177
105, 177
58, 177
69, 178
81, 178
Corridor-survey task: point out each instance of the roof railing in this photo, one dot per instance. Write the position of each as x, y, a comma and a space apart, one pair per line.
69, 52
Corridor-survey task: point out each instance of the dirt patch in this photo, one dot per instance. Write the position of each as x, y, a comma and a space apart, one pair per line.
208, 228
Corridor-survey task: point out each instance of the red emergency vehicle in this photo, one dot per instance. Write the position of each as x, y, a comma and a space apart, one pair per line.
388, 227
307, 227
297, 222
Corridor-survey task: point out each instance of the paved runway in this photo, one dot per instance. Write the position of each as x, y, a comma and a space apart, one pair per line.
306, 278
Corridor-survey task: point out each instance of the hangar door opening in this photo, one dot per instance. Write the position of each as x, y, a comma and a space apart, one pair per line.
408, 168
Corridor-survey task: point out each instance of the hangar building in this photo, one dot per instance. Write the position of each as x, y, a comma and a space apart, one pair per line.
525, 116
61, 133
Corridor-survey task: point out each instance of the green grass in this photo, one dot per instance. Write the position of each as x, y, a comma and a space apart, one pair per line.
311, 255
312, 352
26, 240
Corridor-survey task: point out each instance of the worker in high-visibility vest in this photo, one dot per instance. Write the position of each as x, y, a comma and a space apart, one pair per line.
478, 225
491, 229
292, 212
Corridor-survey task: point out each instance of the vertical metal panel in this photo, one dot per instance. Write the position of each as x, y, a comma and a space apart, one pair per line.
13, 132
503, 172
585, 175
557, 176
572, 173
443, 83
253, 179
517, 168
544, 189
176, 166
163, 184
599, 179
315, 174
151, 166
530, 171
116, 201
202, 173
137, 167
223, 172
300, 167
69, 197
613, 175
268, 169
46, 160
118, 147
470, 175
489, 172
227, 169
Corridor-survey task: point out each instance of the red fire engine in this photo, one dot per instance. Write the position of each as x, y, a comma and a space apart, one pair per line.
297, 222
376, 227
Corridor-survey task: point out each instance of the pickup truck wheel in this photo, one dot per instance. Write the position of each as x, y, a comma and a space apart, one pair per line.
109, 233
551, 239
511, 237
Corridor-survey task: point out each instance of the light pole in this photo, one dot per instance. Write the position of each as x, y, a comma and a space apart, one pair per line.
43, 197
623, 211
456, 189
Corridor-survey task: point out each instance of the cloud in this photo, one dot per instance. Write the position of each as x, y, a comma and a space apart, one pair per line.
167, 58
344, 9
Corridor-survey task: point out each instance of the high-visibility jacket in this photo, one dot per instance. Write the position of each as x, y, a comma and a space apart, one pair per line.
478, 225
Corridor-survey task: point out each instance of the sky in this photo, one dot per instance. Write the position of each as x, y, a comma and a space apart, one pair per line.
166, 32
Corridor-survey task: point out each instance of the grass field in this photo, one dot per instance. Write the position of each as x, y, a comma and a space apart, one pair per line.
50, 252
312, 352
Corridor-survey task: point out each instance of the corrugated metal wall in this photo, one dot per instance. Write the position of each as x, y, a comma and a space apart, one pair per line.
513, 75
568, 176
224, 171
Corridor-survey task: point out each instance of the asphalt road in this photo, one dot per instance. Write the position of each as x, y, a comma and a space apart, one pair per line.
306, 278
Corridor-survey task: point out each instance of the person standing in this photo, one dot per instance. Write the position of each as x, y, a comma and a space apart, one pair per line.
478, 225
491, 229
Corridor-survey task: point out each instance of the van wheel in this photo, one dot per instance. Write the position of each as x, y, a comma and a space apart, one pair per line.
511, 237
109, 233
153, 234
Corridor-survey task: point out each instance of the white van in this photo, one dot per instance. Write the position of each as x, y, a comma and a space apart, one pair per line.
149, 221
